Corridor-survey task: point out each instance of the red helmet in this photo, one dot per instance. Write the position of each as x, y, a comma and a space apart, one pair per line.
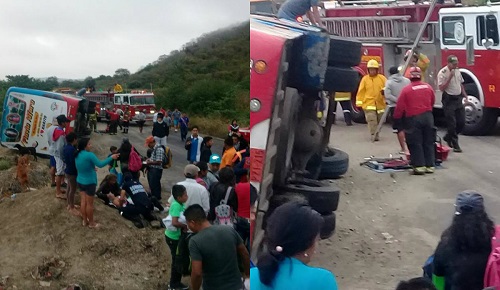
415, 72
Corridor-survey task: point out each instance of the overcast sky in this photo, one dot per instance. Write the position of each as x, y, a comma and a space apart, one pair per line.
80, 38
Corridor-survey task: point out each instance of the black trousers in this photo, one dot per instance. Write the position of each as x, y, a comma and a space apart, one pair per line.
132, 212
421, 138
454, 113
113, 127
175, 275
154, 180
346, 109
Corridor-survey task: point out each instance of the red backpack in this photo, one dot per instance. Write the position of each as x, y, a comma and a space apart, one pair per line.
134, 161
492, 273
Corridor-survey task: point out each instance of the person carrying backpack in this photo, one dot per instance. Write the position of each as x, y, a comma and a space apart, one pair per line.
219, 191
155, 163
461, 257
130, 160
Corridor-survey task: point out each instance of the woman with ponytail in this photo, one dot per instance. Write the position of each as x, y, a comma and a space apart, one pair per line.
86, 163
291, 234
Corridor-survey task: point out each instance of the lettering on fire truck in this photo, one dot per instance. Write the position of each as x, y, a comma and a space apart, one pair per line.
491, 88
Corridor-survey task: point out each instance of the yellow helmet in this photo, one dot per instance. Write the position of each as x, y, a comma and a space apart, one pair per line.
372, 64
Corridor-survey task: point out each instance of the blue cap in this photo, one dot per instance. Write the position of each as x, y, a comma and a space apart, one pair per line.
469, 201
214, 159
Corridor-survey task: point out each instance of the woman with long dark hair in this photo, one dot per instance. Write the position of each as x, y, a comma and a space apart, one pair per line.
86, 163
461, 256
124, 152
291, 235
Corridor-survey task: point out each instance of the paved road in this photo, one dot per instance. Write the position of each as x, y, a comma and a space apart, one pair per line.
102, 142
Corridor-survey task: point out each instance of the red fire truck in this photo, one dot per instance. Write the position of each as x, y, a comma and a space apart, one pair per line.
388, 28
136, 101
291, 64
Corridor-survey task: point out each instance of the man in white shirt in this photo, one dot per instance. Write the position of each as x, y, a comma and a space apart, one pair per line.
48, 134
450, 82
197, 194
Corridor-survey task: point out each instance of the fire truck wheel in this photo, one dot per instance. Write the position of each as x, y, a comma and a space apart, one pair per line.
328, 227
478, 119
357, 114
341, 79
334, 164
344, 52
322, 197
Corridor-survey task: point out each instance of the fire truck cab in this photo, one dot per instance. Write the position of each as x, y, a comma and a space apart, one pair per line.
388, 29
291, 66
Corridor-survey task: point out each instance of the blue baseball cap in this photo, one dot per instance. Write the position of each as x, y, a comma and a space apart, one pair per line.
214, 159
469, 201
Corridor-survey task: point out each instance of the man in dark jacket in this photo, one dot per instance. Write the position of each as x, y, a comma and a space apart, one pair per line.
160, 130
206, 150
416, 103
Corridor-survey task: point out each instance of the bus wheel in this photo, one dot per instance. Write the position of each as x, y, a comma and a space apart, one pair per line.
340, 79
328, 228
344, 52
478, 120
322, 197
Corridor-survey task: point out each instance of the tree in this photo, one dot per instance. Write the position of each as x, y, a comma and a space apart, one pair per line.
89, 83
122, 73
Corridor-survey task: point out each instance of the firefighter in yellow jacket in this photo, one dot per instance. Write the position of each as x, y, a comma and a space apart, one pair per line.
417, 59
344, 99
370, 96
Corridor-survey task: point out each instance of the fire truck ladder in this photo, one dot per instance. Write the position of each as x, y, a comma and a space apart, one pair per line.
370, 29
417, 40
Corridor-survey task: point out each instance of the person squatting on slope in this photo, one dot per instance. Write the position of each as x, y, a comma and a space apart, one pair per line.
415, 103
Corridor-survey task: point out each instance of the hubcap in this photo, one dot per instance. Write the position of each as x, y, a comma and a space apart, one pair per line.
473, 110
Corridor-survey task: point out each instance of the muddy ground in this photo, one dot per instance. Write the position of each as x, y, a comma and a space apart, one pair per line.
388, 224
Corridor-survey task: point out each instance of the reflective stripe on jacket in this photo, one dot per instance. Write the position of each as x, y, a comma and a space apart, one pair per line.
342, 96
369, 95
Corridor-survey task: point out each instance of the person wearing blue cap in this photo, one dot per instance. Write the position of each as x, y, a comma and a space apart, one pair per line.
461, 256
214, 166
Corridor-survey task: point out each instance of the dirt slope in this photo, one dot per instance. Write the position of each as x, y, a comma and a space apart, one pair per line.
35, 227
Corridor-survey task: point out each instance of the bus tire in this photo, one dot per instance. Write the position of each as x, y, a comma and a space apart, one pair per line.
340, 79
328, 228
334, 164
344, 52
478, 119
322, 197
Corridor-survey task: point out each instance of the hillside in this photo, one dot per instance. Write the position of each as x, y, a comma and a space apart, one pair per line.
207, 77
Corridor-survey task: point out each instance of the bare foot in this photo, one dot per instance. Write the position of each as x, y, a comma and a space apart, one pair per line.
75, 212
61, 196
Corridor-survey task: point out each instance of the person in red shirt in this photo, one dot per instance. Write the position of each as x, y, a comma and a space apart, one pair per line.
415, 103
114, 118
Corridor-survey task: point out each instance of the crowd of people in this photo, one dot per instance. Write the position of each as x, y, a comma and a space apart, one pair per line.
208, 213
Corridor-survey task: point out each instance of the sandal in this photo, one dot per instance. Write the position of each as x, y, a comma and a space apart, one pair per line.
61, 196
95, 226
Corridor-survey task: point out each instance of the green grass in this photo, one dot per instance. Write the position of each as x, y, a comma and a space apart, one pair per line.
4, 164
212, 126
